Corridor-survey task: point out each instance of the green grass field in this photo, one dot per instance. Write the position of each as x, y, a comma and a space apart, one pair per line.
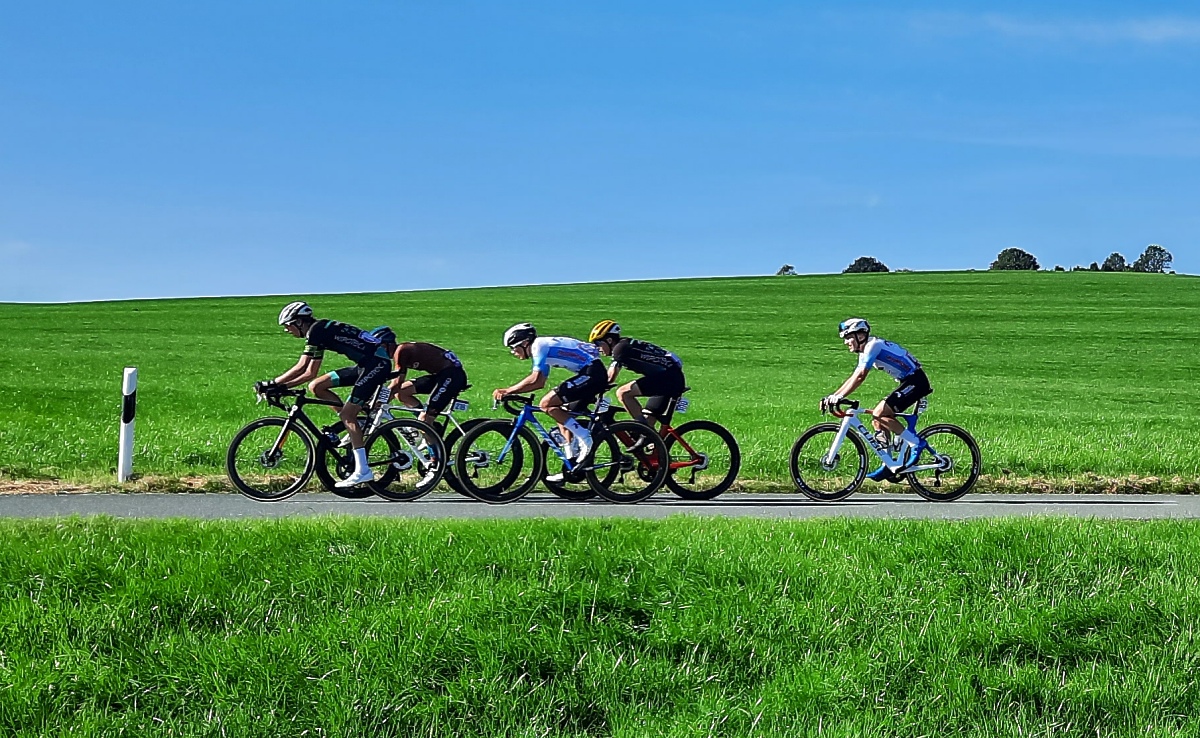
350, 627
1056, 374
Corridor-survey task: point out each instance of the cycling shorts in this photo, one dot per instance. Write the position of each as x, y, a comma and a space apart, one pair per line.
912, 388
371, 374
584, 387
442, 387
661, 388
344, 377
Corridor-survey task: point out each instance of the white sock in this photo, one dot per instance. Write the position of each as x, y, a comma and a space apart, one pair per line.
360, 460
576, 428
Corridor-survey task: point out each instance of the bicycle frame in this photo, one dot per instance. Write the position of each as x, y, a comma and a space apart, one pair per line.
850, 422
296, 414
529, 415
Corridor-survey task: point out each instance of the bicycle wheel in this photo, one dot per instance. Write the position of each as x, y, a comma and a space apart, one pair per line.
267, 464
487, 477
704, 459
574, 486
408, 458
823, 478
451, 440
955, 459
334, 465
628, 462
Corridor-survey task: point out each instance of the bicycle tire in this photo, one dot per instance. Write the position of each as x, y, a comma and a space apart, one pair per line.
574, 487
639, 473
802, 465
256, 490
935, 494
451, 440
676, 484
477, 452
334, 465
403, 464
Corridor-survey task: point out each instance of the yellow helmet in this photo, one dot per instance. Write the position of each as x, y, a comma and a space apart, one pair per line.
604, 329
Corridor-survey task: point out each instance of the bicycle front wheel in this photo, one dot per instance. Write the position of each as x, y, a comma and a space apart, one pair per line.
628, 464
408, 458
451, 440
952, 463
485, 475
824, 473
704, 459
269, 461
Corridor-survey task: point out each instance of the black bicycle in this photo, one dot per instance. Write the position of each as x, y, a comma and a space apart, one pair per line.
273, 458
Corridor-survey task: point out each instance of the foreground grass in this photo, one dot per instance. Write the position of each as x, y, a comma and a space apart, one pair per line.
683, 627
1056, 374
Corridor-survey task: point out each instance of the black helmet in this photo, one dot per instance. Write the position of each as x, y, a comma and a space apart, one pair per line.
384, 334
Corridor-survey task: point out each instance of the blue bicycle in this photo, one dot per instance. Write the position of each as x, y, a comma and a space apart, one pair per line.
943, 467
500, 461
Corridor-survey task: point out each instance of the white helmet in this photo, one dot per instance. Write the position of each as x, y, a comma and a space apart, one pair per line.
853, 325
519, 332
293, 311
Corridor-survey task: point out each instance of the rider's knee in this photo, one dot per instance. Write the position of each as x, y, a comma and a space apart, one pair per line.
625, 392
550, 402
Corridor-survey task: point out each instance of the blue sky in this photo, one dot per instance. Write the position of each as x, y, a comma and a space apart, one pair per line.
170, 149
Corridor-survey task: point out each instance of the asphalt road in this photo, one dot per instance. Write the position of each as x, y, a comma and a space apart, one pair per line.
450, 505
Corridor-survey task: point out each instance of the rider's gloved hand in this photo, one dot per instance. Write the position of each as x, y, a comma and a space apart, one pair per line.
830, 402
266, 387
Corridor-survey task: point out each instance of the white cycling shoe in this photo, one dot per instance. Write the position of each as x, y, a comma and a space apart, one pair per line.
355, 479
582, 446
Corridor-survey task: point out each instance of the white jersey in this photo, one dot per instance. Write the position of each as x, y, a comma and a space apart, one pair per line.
568, 353
890, 357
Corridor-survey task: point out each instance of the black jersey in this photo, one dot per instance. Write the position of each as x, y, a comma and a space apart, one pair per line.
355, 343
643, 357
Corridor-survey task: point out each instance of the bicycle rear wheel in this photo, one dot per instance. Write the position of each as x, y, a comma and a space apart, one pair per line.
628, 463
823, 478
704, 460
334, 465
408, 458
487, 477
956, 456
267, 464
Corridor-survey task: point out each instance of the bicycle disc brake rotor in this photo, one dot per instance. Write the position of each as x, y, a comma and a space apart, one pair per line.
270, 459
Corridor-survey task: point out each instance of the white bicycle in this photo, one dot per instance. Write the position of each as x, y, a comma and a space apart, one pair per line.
944, 467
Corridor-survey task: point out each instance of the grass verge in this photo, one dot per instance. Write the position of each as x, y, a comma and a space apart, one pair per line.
625, 628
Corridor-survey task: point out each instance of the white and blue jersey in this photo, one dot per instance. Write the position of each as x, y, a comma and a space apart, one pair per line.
890, 357
568, 353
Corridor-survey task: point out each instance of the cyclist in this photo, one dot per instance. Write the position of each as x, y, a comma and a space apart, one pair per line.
662, 371
444, 376
370, 371
580, 390
875, 352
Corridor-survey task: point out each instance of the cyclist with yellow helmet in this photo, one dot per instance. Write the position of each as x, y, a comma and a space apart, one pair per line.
662, 371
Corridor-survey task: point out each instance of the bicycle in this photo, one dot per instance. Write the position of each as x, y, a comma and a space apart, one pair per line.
945, 466
272, 458
444, 421
500, 461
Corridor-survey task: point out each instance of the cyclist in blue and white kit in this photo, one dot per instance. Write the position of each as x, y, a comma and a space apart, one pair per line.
589, 382
874, 352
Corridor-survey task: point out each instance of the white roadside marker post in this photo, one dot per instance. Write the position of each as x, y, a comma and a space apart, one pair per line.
128, 407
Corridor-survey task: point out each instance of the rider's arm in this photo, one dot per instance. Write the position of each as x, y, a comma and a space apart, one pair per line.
613, 370
305, 370
852, 382
397, 367
535, 381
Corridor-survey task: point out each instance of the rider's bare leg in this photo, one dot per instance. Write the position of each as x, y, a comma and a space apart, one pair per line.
627, 394
322, 388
